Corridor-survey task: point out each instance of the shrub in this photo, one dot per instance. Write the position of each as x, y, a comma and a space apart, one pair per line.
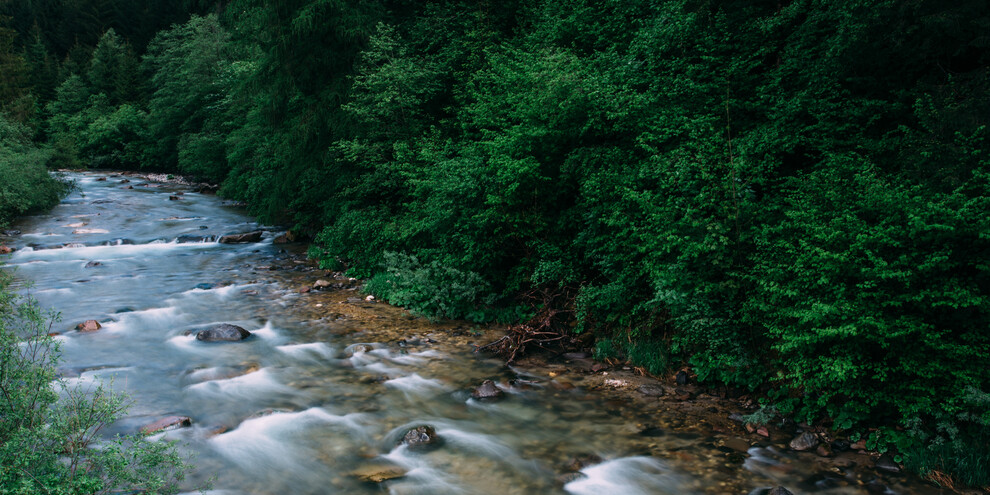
50, 439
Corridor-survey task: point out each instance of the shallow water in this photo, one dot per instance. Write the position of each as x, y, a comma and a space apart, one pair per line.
326, 387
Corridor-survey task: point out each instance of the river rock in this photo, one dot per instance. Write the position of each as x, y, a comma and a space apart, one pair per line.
167, 423
11, 233
223, 332
581, 461
241, 238
487, 391
422, 437
681, 378
93, 264
188, 238
779, 490
88, 326
886, 463
173, 197
804, 441
651, 390
378, 473
322, 285
284, 238
6, 250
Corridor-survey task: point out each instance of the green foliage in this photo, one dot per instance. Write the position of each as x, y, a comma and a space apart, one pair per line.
432, 290
50, 439
784, 196
25, 183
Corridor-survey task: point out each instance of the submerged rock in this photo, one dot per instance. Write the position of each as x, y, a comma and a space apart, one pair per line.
88, 326
167, 423
223, 332
487, 391
241, 238
423, 437
378, 473
92, 264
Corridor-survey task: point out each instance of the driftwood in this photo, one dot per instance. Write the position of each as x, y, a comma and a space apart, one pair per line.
549, 329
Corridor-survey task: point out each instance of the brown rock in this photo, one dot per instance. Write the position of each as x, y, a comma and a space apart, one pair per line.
421, 437
737, 444
804, 441
763, 432
244, 238
166, 423
173, 198
377, 473
88, 326
487, 391
304, 290
651, 390
284, 238
6, 250
779, 490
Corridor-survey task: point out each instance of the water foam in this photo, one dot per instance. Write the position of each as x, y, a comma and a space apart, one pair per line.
628, 476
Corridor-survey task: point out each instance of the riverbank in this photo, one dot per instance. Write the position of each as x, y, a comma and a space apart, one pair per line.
651, 406
330, 380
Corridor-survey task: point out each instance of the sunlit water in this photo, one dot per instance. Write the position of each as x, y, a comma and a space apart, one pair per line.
308, 402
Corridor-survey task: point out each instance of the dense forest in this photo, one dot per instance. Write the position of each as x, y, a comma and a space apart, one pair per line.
788, 196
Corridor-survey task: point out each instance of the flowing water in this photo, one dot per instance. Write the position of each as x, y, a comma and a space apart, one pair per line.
320, 396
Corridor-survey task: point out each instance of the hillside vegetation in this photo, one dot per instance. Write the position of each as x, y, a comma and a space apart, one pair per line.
791, 197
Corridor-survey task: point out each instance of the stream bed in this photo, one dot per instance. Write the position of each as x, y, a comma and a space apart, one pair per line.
319, 397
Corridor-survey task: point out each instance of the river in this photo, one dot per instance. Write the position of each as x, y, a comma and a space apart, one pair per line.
321, 394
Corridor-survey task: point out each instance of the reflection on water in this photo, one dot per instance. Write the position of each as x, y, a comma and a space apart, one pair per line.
309, 403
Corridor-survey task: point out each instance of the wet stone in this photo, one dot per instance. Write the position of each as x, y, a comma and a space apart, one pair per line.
779, 490
378, 473
487, 391
651, 390
166, 423
223, 332
887, 464
422, 437
247, 237
88, 326
804, 441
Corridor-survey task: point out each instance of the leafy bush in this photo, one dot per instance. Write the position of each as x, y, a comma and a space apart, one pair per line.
25, 183
50, 433
432, 289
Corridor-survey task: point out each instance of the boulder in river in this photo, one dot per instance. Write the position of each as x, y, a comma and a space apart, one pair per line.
187, 238
423, 437
487, 391
241, 238
93, 264
166, 423
88, 326
886, 463
6, 250
804, 441
223, 332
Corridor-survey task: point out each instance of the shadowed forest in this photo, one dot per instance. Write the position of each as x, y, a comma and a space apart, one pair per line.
788, 197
